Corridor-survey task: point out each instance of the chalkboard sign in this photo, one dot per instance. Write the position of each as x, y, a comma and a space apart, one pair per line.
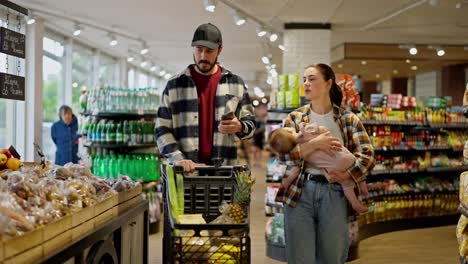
12, 43
11, 86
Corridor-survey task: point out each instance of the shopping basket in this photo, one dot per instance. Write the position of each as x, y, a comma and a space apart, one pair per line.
203, 193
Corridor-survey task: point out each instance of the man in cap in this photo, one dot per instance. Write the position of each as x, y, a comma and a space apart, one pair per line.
205, 110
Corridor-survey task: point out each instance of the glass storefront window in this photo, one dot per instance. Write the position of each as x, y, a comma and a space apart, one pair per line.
107, 70
82, 73
142, 80
53, 76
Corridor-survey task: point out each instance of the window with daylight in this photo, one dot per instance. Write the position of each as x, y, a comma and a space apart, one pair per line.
53, 62
107, 70
82, 72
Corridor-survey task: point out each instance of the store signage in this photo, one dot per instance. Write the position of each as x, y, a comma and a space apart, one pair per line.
12, 43
11, 86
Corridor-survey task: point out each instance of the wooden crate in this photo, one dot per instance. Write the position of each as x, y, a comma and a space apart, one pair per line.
17, 245
106, 204
55, 228
82, 230
129, 194
43, 242
32, 255
57, 243
129, 204
82, 216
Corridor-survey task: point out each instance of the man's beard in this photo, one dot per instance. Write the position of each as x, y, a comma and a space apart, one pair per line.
209, 69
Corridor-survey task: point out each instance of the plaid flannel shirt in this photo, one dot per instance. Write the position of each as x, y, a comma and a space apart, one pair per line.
355, 139
177, 118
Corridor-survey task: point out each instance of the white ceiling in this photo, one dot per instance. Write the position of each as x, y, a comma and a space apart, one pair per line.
168, 25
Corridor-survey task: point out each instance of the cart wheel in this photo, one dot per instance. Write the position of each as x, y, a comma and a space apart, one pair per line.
102, 252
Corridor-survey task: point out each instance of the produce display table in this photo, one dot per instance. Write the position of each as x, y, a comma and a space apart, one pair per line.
114, 231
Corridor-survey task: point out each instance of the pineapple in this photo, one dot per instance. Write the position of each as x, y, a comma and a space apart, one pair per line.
238, 209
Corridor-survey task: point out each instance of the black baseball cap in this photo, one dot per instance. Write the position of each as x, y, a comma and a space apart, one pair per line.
207, 35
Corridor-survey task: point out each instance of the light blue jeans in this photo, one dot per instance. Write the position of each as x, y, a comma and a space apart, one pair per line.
317, 228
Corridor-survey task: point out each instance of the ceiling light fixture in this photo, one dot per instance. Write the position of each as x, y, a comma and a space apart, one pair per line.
411, 47
440, 52
261, 31
77, 30
255, 103
144, 50
414, 68
210, 5
273, 37
281, 47
395, 71
31, 20
264, 100
143, 64
130, 58
377, 76
167, 76
153, 68
239, 19
266, 59
408, 61
162, 73
113, 40
363, 62
340, 66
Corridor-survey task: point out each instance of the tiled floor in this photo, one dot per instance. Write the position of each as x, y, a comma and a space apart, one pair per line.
433, 245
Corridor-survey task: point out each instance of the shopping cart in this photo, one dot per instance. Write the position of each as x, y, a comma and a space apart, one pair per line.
204, 192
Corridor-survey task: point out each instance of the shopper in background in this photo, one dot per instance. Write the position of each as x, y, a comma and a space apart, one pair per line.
316, 215
64, 135
204, 110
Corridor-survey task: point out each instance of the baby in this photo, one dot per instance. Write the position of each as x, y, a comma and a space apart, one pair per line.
283, 140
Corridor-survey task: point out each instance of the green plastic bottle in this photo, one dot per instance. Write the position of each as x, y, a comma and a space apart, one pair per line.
119, 137
126, 132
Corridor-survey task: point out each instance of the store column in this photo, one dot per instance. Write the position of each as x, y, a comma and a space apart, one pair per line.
34, 85
305, 44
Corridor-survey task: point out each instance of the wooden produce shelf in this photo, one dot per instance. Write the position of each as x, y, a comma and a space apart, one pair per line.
45, 241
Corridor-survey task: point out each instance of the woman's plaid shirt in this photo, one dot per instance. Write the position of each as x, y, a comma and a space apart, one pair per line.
355, 139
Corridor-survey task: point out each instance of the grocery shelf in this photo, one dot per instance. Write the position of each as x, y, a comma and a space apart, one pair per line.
417, 148
377, 194
392, 123
414, 171
99, 145
454, 169
119, 114
448, 125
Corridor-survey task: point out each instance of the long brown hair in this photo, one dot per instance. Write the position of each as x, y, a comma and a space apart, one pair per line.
336, 96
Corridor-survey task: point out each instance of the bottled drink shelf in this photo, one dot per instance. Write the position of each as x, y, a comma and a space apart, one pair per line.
120, 114
104, 145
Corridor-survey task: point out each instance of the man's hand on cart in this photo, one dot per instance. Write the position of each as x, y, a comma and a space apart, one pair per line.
189, 165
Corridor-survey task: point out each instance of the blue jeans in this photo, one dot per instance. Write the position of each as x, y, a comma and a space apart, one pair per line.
317, 229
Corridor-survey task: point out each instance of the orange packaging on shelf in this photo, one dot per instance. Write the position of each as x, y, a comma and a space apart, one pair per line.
348, 87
